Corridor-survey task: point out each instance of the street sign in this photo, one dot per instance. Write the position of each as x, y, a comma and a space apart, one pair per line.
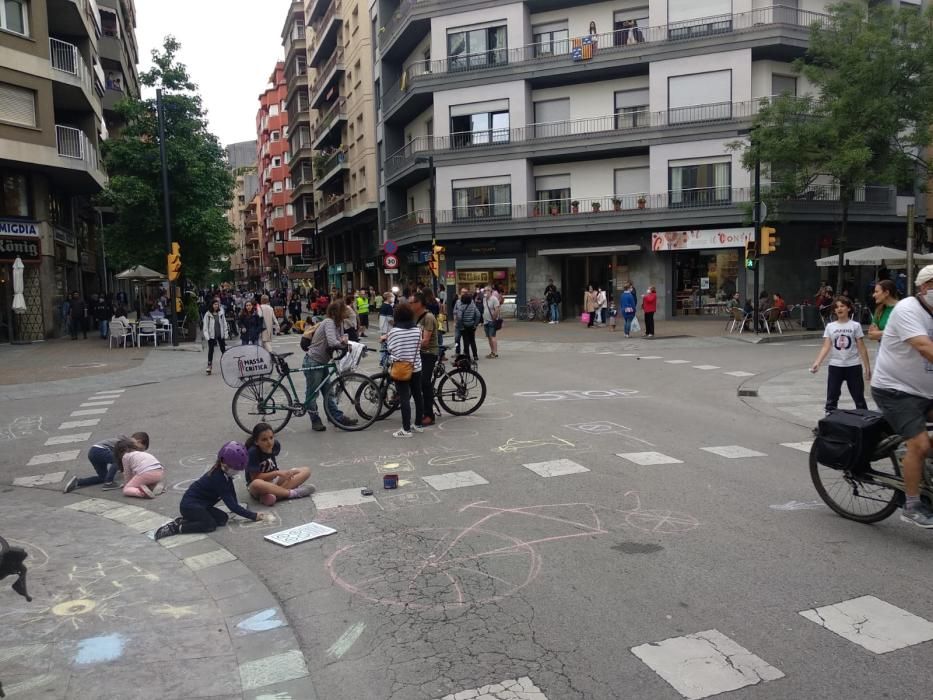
390, 247
393, 271
390, 261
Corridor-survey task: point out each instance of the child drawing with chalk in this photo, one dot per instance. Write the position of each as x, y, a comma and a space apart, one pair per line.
101, 458
265, 481
143, 474
198, 506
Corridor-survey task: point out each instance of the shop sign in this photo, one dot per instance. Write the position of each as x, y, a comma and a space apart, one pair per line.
473, 277
369, 265
11, 227
698, 240
64, 236
451, 277
25, 248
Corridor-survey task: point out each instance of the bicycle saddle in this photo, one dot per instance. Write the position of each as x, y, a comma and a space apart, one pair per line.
11, 562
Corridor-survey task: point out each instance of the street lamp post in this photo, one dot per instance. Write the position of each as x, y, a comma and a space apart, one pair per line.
432, 192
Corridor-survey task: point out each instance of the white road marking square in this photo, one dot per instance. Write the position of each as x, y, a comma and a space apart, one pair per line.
208, 559
651, 357
647, 459
53, 457
94, 505
72, 424
273, 669
677, 362
94, 404
39, 479
180, 540
733, 451
89, 412
454, 480
65, 439
519, 689
705, 367
557, 467
344, 497
740, 374
626, 354
872, 623
802, 446
109, 391
705, 663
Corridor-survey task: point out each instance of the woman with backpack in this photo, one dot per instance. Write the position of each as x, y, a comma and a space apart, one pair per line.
469, 318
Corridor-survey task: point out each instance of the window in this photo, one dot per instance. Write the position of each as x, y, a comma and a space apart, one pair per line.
17, 105
14, 17
362, 179
288, 183
552, 40
631, 108
278, 212
276, 135
783, 85
552, 118
377, 93
699, 97
276, 162
109, 26
286, 157
630, 184
701, 184
277, 186
273, 110
628, 27
60, 209
689, 18
482, 201
477, 48
479, 124
14, 197
552, 195
289, 210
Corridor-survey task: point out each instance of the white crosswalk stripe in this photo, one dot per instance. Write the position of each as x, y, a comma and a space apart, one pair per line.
733, 451
740, 374
557, 467
72, 424
89, 412
454, 480
802, 446
53, 457
705, 367
677, 362
647, 459
872, 623
65, 439
94, 404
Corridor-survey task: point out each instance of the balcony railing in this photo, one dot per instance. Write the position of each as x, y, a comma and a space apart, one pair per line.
388, 31
324, 75
336, 207
629, 205
324, 165
336, 110
325, 20
73, 143
616, 42
66, 58
589, 127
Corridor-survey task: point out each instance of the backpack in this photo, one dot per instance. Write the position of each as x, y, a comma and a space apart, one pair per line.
847, 439
468, 317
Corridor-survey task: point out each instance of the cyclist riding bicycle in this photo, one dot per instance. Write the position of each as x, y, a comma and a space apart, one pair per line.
902, 387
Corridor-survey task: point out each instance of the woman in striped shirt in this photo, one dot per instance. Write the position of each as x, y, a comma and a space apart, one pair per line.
404, 345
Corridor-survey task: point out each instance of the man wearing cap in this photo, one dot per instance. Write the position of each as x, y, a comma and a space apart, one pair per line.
902, 387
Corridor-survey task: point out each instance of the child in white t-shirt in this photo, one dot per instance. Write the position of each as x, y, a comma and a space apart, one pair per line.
847, 354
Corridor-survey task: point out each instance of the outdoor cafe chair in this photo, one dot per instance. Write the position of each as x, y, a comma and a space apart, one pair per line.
147, 329
771, 317
739, 319
120, 332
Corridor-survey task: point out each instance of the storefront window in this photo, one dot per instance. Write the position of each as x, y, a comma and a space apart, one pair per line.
504, 279
704, 279
14, 200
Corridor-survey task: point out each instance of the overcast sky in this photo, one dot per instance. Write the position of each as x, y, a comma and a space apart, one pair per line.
230, 48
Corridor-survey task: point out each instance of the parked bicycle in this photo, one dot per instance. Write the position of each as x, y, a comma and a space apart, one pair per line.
534, 310
274, 400
459, 391
868, 493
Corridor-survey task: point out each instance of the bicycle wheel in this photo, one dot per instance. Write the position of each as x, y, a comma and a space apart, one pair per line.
387, 394
357, 397
542, 313
856, 498
527, 313
260, 400
390, 400
461, 392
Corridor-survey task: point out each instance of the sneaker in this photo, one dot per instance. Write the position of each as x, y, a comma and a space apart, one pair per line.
921, 517
167, 530
344, 420
109, 486
417, 428
208, 369
427, 420
317, 425
402, 433
304, 491
268, 499
146, 490
71, 485
158, 489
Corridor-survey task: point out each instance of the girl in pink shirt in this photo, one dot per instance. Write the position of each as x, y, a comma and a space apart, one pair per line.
141, 470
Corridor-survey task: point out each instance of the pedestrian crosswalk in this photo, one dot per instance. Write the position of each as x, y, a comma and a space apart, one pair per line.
739, 374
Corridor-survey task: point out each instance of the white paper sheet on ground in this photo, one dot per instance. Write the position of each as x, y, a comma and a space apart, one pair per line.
301, 533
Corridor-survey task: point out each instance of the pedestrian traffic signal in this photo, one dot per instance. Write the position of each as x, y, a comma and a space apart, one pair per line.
436, 252
769, 240
174, 263
751, 254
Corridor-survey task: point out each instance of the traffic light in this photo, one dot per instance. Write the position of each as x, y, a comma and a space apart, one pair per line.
751, 254
174, 263
436, 252
769, 241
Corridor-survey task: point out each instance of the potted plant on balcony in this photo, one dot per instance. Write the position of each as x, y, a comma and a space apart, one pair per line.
616, 204
642, 201
596, 206
536, 212
555, 210
575, 207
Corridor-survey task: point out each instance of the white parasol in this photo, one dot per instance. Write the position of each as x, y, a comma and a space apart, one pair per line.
19, 302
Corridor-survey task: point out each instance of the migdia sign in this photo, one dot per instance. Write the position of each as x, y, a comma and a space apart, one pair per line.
11, 227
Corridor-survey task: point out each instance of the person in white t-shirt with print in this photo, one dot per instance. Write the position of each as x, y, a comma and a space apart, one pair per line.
843, 342
903, 387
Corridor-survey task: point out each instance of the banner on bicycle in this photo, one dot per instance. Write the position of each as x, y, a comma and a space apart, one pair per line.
244, 362
351, 360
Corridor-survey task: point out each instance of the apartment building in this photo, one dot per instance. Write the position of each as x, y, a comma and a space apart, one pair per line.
119, 56
241, 161
51, 124
342, 140
278, 247
589, 142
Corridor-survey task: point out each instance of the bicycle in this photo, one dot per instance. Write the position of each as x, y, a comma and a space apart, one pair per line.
534, 310
275, 400
871, 494
453, 389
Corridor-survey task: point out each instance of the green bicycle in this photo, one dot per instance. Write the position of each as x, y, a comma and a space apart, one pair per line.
274, 400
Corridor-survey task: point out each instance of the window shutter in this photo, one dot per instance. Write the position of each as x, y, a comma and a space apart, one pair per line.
17, 105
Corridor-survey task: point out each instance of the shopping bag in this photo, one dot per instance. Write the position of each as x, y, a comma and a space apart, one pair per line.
585, 317
635, 327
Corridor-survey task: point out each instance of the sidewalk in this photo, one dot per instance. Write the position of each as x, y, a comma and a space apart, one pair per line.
117, 615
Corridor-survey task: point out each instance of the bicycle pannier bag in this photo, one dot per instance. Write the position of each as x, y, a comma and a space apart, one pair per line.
401, 370
847, 439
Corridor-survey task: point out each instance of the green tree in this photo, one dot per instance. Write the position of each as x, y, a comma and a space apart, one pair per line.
200, 186
869, 123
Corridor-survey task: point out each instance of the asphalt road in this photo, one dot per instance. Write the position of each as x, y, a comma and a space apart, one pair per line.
548, 564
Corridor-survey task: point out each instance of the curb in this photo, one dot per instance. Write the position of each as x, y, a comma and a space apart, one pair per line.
753, 339
747, 393
281, 674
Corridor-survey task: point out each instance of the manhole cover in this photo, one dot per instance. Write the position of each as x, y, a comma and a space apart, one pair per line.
87, 365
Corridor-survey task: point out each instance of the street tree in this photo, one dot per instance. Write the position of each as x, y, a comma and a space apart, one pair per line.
868, 121
200, 186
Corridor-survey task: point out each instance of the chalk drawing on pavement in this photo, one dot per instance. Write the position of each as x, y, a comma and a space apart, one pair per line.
605, 427
450, 460
22, 427
514, 445
577, 395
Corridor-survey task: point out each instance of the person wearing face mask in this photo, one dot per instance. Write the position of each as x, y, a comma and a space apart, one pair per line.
902, 387
198, 511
